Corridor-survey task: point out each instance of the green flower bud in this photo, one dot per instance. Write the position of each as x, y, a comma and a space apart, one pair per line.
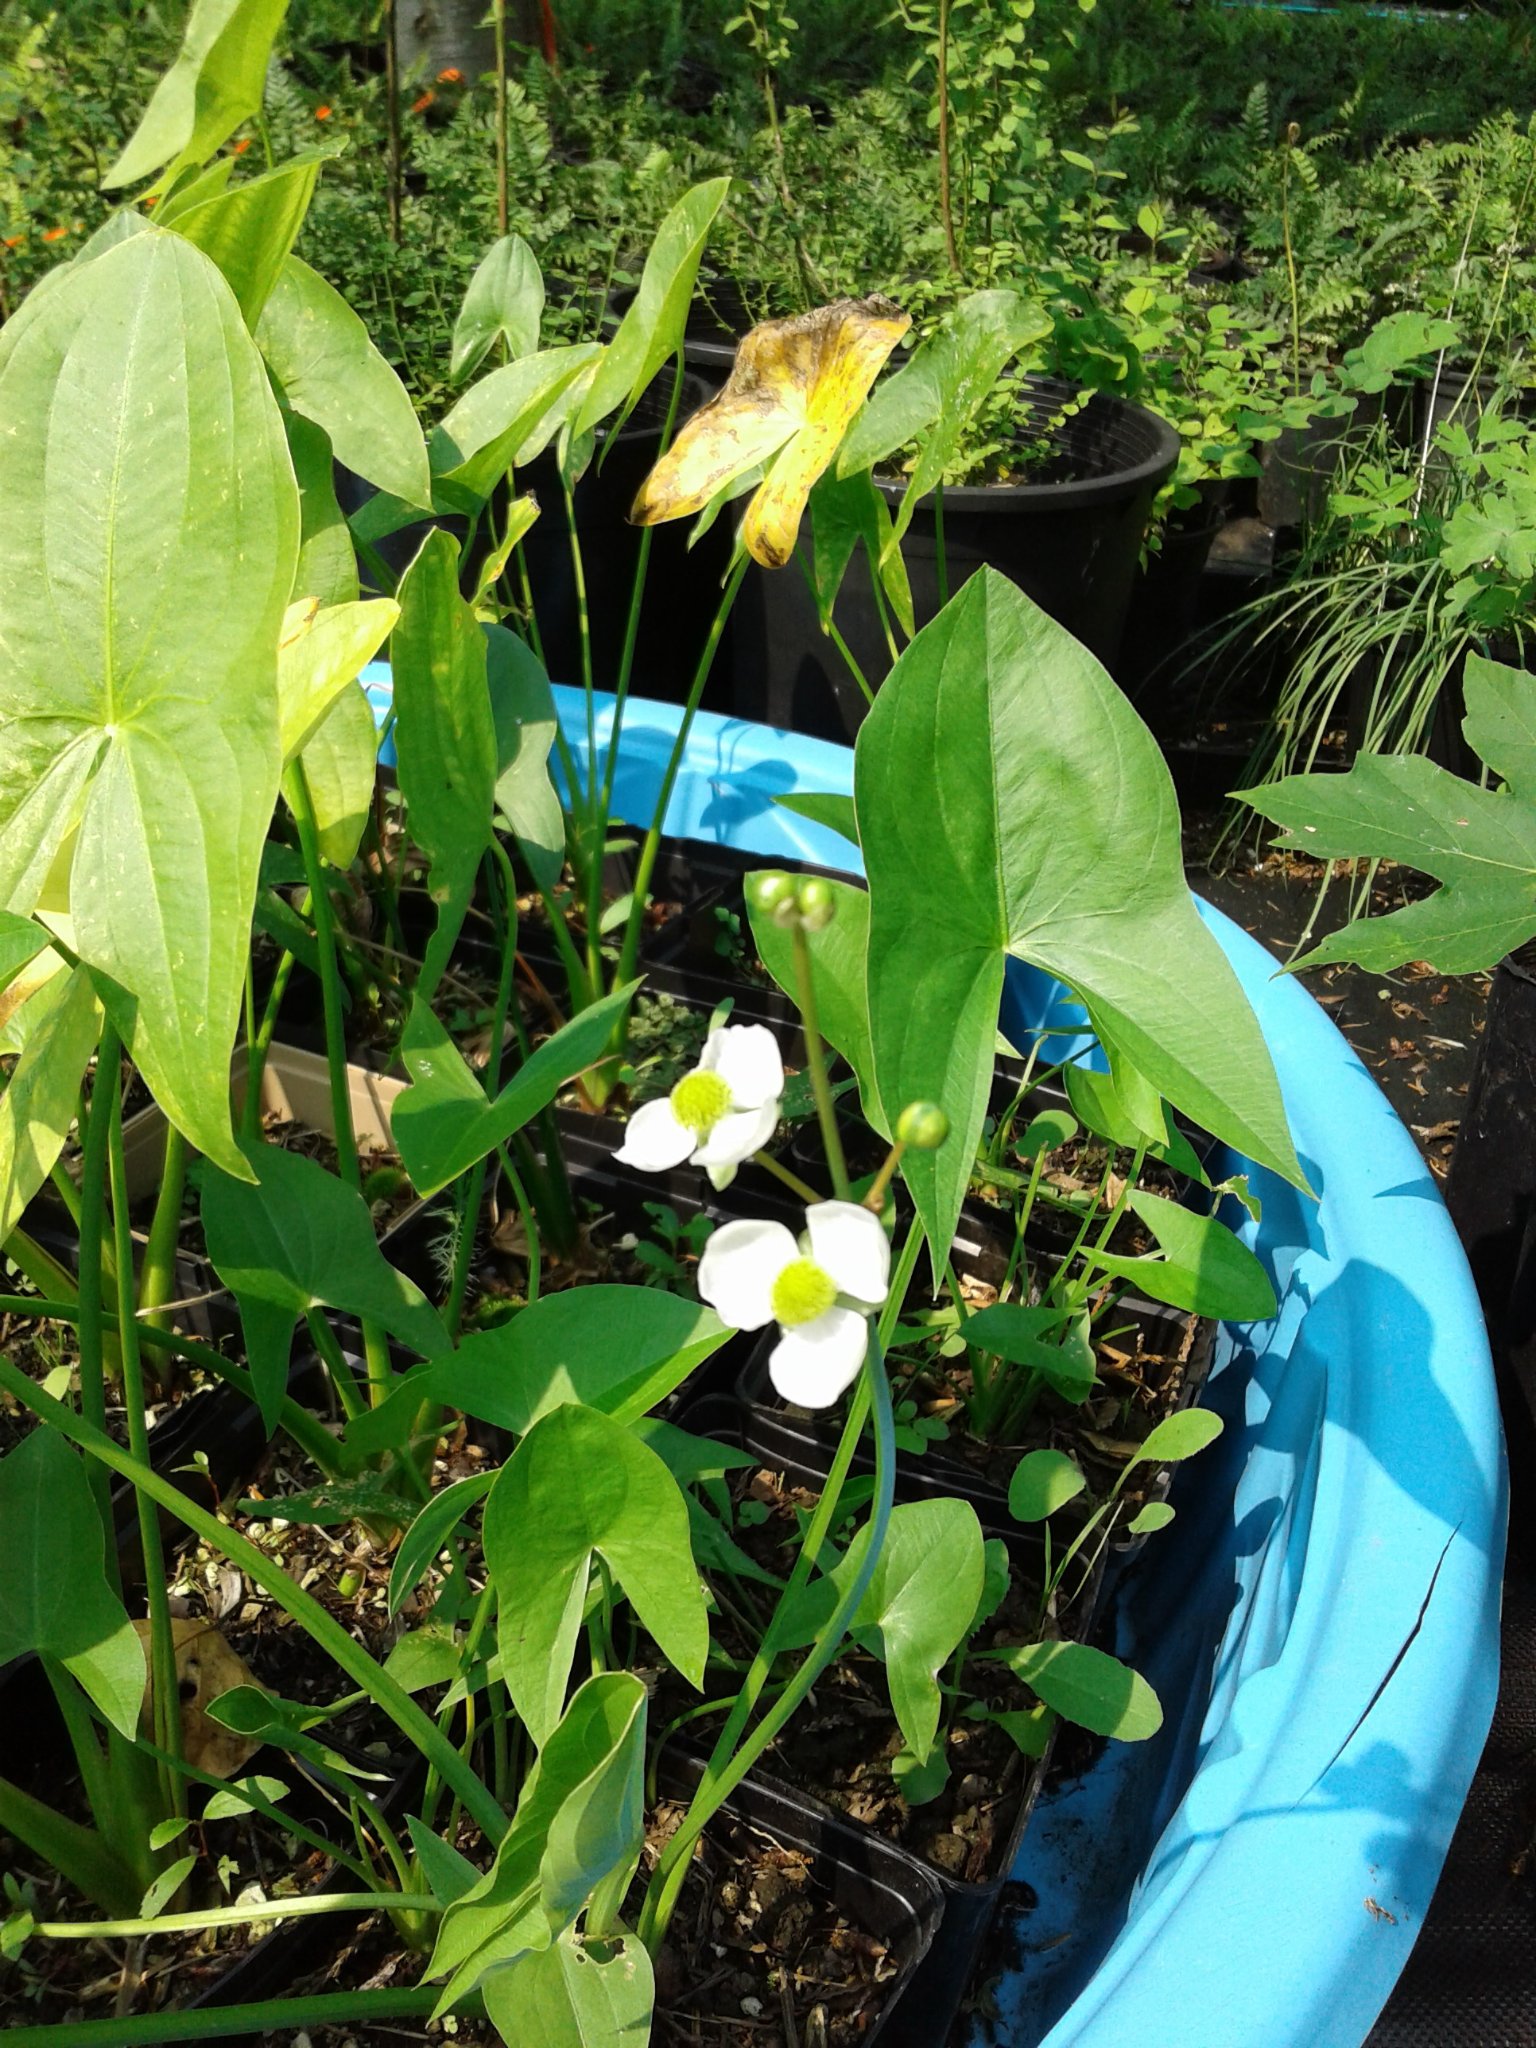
923, 1126
816, 903
768, 888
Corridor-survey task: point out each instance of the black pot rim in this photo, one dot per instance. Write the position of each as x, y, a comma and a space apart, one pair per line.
1152, 471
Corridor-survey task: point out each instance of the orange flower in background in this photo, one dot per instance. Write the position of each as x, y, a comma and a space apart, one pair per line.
452, 76
322, 113
14, 241
419, 106
239, 148
54, 234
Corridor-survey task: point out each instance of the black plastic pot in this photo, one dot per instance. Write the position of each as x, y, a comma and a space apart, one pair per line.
682, 586
1166, 611
879, 1888
1071, 541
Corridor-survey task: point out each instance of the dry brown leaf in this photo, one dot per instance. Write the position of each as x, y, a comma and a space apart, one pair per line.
205, 1667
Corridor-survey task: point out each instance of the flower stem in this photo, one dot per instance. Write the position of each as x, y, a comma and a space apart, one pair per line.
816, 1060
238, 1916
791, 1180
645, 868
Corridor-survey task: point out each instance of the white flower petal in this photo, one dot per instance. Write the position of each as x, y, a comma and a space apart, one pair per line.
654, 1139
811, 1366
849, 1243
738, 1136
747, 1059
720, 1177
739, 1265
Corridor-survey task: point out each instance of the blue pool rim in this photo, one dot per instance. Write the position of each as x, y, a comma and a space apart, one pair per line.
1321, 1621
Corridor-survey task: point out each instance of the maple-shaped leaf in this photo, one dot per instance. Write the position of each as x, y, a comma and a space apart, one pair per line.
1480, 844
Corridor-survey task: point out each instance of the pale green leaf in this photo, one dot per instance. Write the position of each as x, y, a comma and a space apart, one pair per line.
443, 1123
1179, 1436
292, 1238
1204, 1267
215, 83
575, 1996
340, 763
579, 1485
652, 328
582, 1808
1089, 1687
504, 302
1479, 843
319, 657
329, 370
1042, 1482
445, 740
327, 564
37, 1105
508, 418
139, 697
249, 231
561, 1349
526, 722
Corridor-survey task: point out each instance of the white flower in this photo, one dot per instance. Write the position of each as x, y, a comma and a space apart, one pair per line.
755, 1273
718, 1115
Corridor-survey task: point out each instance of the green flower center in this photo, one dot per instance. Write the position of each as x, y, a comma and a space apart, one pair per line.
699, 1101
801, 1293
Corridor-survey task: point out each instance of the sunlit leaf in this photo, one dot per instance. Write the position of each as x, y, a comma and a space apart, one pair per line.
580, 1486
142, 707
1011, 803
329, 371
504, 302
215, 83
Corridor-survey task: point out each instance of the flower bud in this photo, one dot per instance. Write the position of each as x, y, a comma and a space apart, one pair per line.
923, 1126
816, 903
768, 888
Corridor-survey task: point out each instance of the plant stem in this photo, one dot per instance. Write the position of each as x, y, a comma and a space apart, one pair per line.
816, 1060
636, 599
164, 1691
791, 1180
629, 951
503, 178
396, 179
260, 1046
946, 205
238, 1916
157, 1278
326, 1632
296, 789
940, 562
88, 1315
268, 2016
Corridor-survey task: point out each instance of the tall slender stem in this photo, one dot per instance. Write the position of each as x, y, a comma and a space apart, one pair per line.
89, 1326
503, 178
396, 180
296, 789
816, 1060
630, 949
156, 1280
946, 204
636, 600
164, 1691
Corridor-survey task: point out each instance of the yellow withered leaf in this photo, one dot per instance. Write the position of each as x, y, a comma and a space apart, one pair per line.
793, 390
